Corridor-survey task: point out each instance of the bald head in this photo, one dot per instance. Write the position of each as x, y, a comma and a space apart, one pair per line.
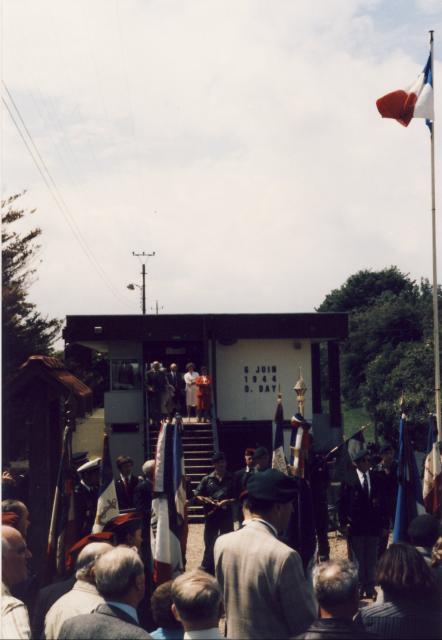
87, 558
336, 588
15, 554
196, 597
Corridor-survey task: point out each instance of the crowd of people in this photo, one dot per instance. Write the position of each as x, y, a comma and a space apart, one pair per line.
252, 582
170, 391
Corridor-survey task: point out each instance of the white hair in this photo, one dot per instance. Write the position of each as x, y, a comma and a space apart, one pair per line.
115, 572
87, 558
196, 595
147, 468
335, 582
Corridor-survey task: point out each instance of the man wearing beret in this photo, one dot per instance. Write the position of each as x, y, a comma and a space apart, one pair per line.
363, 518
265, 591
216, 492
387, 471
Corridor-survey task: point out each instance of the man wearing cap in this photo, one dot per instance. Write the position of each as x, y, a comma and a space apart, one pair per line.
86, 496
126, 528
387, 472
240, 481
216, 492
261, 459
265, 592
363, 518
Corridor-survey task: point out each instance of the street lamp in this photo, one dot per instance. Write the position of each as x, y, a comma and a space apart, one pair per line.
300, 390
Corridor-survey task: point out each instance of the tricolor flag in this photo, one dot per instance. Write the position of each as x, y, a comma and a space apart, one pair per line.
107, 504
432, 489
62, 529
278, 458
167, 505
416, 101
409, 502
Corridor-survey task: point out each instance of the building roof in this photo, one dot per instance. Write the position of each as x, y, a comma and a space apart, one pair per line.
226, 326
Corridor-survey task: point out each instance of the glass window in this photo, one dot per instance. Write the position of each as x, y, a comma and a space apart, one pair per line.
125, 375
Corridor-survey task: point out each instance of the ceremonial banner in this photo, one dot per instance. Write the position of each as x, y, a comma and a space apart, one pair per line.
416, 101
107, 504
409, 502
278, 458
62, 529
168, 505
432, 489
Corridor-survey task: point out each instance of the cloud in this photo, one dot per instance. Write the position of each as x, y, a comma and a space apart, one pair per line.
240, 141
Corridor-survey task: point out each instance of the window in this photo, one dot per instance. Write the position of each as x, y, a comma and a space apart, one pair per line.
125, 375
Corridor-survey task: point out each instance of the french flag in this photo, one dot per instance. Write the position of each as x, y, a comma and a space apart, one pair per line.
416, 101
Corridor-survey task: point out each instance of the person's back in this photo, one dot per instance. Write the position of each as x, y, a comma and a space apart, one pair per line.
119, 577
265, 591
411, 608
83, 597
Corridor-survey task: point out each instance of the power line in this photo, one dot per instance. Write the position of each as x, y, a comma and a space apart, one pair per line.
53, 189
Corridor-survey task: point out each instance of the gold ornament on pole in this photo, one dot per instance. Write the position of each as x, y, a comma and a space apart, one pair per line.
300, 390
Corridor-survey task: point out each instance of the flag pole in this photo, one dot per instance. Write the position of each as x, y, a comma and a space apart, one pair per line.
435, 291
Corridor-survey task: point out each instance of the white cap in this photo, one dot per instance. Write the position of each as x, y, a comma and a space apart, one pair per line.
90, 466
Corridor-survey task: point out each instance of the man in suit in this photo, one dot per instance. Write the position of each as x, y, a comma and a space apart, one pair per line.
265, 592
240, 481
387, 471
363, 518
119, 576
126, 483
176, 381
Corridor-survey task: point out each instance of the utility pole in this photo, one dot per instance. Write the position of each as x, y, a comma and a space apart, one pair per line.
156, 308
143, 278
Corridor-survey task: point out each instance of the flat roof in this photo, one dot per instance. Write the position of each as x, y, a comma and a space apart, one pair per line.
188, 327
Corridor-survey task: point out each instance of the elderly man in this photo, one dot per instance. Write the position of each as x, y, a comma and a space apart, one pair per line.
119, 577
262, 579
336, 587
16, 514
15, 617
197, 604
83, 597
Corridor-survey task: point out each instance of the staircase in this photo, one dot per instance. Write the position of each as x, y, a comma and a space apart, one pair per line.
198, 450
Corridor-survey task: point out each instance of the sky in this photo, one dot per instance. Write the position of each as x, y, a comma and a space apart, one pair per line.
239, 140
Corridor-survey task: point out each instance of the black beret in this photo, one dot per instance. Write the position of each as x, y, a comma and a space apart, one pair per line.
260, 452
272, 486
218, 456
363, 453
425, 528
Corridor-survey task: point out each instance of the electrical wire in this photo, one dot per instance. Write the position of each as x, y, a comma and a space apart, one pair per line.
55, 193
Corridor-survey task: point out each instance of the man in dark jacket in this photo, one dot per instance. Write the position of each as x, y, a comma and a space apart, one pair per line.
126, 483
337, 591
363, 518
387, 472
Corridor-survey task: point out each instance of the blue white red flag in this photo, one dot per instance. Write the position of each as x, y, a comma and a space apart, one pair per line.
107, 504
168, 505
409, 502
416, 101
278, 458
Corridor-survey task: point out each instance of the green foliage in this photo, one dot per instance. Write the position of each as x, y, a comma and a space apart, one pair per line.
24, 330
389, 351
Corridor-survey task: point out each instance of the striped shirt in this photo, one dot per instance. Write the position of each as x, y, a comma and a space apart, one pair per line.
15, 618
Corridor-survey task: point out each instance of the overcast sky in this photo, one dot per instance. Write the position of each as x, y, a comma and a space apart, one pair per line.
238, 139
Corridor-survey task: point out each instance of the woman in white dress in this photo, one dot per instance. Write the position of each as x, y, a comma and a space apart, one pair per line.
191, 388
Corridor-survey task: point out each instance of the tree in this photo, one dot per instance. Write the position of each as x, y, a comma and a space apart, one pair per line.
389, 350
25, 331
